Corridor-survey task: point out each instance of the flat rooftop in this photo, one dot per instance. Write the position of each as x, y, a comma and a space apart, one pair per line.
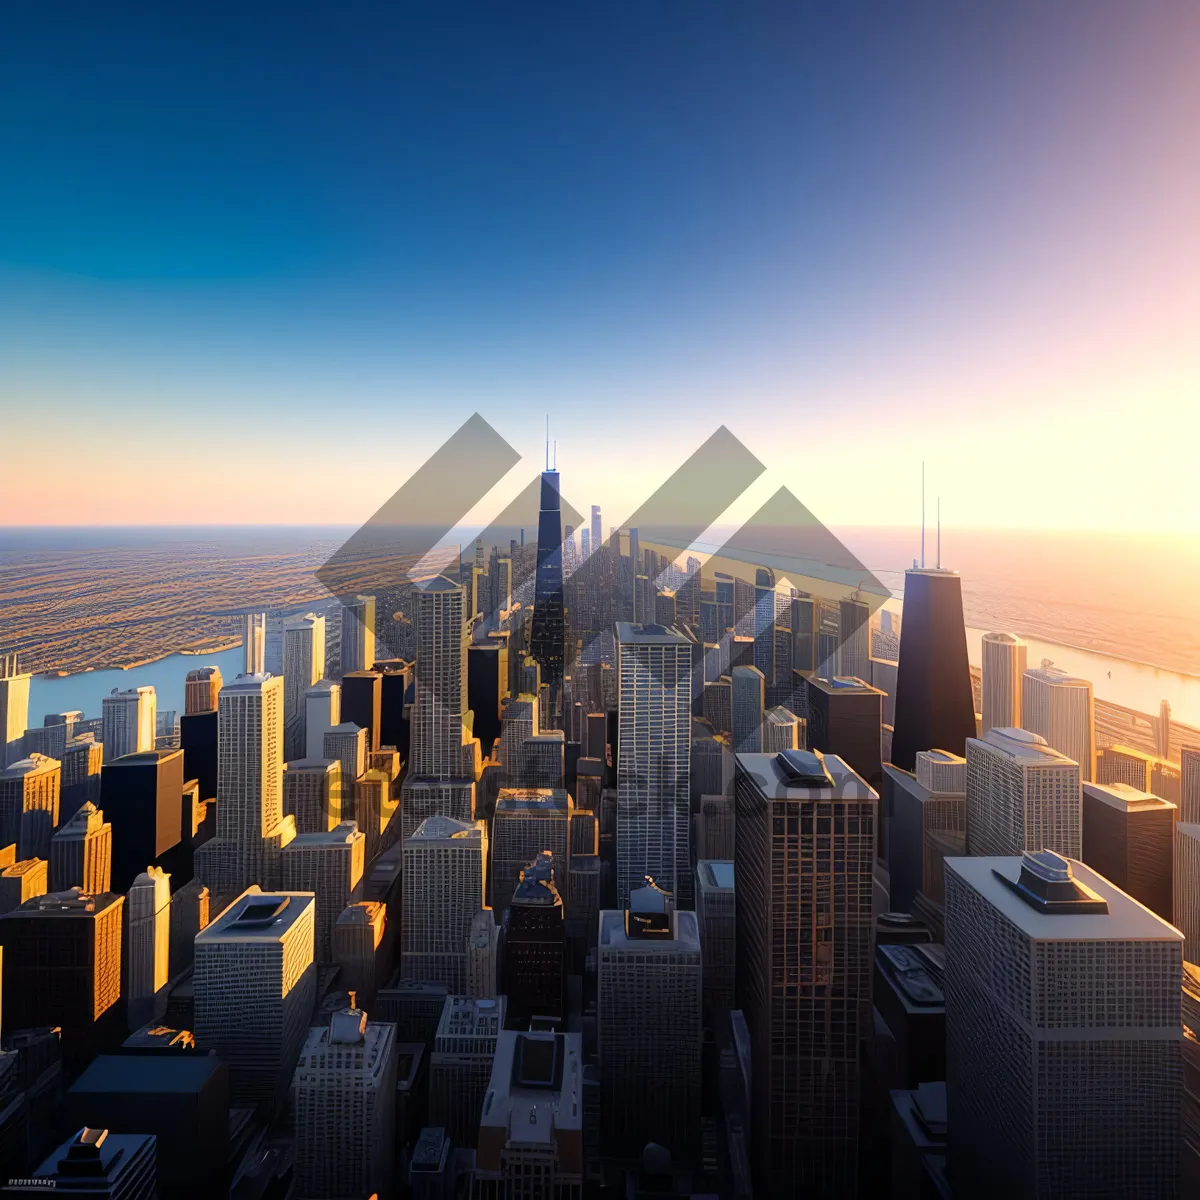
629, 634
775, 785
147, 1073
686, 934
843, 683
716, 874
439, 828
1020, 743
1126, 919
257, 916
541, 801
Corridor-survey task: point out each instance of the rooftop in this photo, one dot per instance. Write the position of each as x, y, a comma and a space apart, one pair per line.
1008, 639
686, 933
997, 878
1125, 797
72, 902
775, 785
441, 829
467, 1016
536, 1088
148, 1073
323, 765
142, 758
345, 833
1020, 743
28, 766
1056, 677
629, 634
248, 683
843, 683
257, 916
541, 801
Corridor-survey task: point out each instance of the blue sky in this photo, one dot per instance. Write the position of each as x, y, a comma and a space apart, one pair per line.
856, 234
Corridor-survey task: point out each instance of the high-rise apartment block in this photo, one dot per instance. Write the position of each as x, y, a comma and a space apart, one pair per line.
142, 797
322, 712
845, 718
1061, 708
535, 945
748, 698
362, 703
254, 983
1062, 1004
358, 946
344, 1107
650, 1029
782, 730
254, 642
303, 665
443, 878
14, 709
358, 634
330, 865
804, 864
653, 764
312, 793
1021, 795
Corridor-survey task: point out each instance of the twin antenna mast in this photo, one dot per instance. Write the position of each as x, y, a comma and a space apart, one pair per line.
939, 524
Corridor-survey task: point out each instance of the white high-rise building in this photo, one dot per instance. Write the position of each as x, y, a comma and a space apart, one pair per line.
330, 865
251, 828
322, 712
1021, 795
650, 1028
303, 666
436, 741
1004, 660
344, 1107
749, 693
358, 635
130, 721
1061, 709
254, 641
14, 710
782, 730
654, 667
1063, 1065
255, 983
443, 878
148, 953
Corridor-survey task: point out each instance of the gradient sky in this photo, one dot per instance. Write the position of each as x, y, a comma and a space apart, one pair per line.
257, 261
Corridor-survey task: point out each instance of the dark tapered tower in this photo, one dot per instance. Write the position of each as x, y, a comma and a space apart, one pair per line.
548, 630
935, 709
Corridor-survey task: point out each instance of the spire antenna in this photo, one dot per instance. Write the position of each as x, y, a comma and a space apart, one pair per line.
922, 516
547, 441
939, 550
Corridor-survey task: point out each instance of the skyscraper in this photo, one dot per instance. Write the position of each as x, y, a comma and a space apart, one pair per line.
81, 853
201, 689
749, 696
81, 764
526, 822
650, 1030
934, 704
254, 983
518, 722
142, 797
322, 712
653, 760
1062, 1004
312, 793
782, 730
548, 632
347, 744
535, 945
461, 1063
344, 1106
130, 721
62, 966
21, 881
536, 1084
1129, 838
303, 665
358, 937
362, 698
330, 865
1021, 795
845, 717
854, 639
437, 737
1003, 668
443, 878
29, 785
14, 709
251, 828
804, 860
358, 634
254, 642
716, 917
1061, 709
148, 949
597, 529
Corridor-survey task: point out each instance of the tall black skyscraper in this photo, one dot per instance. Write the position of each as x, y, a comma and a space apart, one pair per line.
934, 706
548, 630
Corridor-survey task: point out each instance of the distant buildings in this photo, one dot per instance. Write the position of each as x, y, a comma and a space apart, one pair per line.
1062, 1003
303, 665
201, 689
358, 634
748, 699
30, 786
344, 1107
1061, 709
362, 703
1021, 795
255, 983
1004, 660
148, 946
14, 709
653, 766
322, 712
650, 1030
804, 997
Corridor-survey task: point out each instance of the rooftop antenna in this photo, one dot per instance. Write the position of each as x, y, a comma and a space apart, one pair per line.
556, 454
939, 560
922, 516
547, 441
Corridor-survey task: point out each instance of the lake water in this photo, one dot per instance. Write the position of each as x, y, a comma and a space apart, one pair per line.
86, 691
